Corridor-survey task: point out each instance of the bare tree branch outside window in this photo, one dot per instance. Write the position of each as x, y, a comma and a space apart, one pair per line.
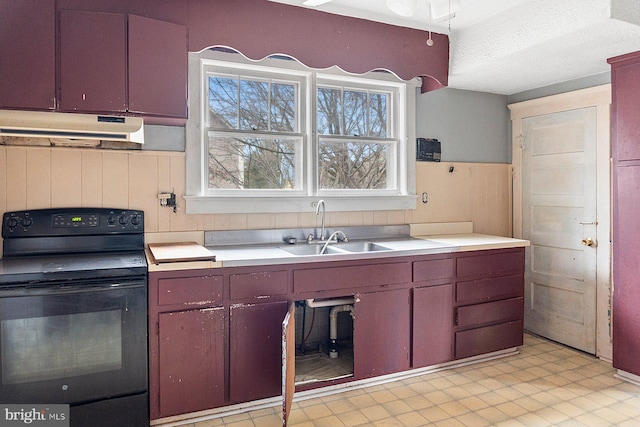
254, 140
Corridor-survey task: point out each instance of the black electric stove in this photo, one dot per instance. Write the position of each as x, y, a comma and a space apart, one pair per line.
73, 313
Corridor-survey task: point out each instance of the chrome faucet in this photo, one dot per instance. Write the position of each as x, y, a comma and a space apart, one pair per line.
336, 236
321, 203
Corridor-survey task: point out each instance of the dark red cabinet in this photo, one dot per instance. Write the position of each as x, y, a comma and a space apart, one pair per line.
93, 61
157, 67
216, 335
27, 54
186, 342
432, 325
116, 63
489, 303
381, 334
625, 148
191, 360
255, 345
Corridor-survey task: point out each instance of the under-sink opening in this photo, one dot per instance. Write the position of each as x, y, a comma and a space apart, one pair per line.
318, 357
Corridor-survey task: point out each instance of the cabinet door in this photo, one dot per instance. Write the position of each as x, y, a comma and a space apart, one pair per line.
92, 61
191, 355
157, 67
625, 78
27, 54
626, 270
255, 367
432, 325
381, 333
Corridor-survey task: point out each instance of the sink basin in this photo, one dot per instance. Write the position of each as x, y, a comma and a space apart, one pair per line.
334, 248
315, 249
361, 247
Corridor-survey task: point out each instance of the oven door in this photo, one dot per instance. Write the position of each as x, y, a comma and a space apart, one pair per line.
73, 342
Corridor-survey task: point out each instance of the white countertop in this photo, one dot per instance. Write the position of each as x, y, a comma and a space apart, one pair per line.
475, 241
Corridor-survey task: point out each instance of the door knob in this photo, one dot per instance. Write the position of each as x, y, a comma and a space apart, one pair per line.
588, 242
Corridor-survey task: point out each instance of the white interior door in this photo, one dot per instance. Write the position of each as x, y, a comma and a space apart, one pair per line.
559, 218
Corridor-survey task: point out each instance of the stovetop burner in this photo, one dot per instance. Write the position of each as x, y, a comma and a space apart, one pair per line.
71, 243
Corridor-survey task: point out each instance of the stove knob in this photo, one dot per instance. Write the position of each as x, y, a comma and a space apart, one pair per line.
136, 219
123, 219
111, 220
26, 221
12, 222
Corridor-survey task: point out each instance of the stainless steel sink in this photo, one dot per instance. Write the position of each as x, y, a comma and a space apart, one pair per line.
361, 247
314, 249
334, 248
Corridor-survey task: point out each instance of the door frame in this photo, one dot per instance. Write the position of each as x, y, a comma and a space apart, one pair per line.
599, 97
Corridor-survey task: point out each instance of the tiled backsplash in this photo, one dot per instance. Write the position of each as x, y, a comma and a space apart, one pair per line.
44, 177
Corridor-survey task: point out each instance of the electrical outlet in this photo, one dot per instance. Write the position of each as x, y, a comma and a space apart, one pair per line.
168, 199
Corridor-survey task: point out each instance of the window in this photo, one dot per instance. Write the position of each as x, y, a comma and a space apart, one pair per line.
253, 136
275, 136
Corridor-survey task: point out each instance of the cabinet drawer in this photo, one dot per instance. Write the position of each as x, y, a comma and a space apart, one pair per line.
331, 278
256, 285
432, 269
491, 312
490, 338
490, 289
495, 264
190, 290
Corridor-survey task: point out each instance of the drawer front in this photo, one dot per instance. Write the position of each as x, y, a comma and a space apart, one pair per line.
432, 269
490, 338
258, 285
331, 278
190, 290
490, 289
490, 312
495, 264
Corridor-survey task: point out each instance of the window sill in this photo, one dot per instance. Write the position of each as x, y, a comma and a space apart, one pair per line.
296, 204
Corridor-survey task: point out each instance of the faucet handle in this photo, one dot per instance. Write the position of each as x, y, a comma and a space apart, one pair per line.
310, 238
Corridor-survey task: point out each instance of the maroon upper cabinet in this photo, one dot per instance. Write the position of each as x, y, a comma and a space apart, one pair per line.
116, 63
625, 126
27, 54
93, 62
157, 67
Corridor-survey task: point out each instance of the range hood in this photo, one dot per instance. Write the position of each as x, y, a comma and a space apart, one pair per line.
71, 126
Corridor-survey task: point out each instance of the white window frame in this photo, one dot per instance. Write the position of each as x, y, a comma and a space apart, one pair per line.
200, 201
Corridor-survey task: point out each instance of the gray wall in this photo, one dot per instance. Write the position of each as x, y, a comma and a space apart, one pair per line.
471, 126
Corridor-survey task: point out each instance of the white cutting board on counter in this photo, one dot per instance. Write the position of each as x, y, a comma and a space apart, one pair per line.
180, 252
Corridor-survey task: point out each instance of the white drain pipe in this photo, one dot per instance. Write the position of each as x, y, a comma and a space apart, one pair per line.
333, 327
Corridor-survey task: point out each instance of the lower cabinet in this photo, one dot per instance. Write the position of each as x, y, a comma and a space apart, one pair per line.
432, 325
216, 336
191, 360
489, 304
255, 332
186, 342
381, 333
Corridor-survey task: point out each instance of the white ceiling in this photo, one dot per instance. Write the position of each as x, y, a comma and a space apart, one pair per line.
510, 46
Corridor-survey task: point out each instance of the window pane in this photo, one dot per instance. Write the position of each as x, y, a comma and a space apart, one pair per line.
254, 105
223, 103
355, 113
283, 107
251, 163
378, 115
353, 165
329, 111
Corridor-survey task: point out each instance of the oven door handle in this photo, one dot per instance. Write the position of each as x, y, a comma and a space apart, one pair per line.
49, 289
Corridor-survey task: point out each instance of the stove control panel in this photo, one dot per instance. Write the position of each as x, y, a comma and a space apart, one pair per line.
71, 221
